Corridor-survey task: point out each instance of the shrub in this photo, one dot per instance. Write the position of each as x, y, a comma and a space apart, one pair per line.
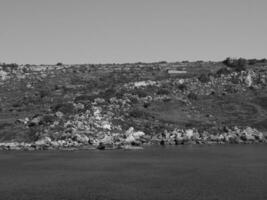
237, 64
241, 64
84, 98
163, 91
59, 64
185, 61
33, 134
204, 78
119, 94
223, 71
235, 80
140, 93
255, 61
252, 61
9, 67
133, 99
137, 113
182, 87
107, 94
230, 89
47, 119
44, 93
146, 104
66, 108
264, 60
192, 96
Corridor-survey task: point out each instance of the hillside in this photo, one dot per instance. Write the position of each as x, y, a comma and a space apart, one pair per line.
131, 105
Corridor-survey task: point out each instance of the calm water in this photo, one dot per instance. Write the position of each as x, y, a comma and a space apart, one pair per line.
184, 172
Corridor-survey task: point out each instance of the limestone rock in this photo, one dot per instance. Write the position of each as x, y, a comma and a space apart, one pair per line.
43, 141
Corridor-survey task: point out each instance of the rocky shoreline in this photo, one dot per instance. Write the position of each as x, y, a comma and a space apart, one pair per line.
138, 139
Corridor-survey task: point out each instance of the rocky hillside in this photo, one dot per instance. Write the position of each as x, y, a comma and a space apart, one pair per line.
131, 105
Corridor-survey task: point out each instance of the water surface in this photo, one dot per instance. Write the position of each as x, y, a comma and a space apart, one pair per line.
183, 172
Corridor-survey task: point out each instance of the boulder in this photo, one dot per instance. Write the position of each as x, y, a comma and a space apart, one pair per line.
79, 106
107, 140
61, 142
234, 139
155, 139
106, 125
145, 139
59, 114
10, 146
35, 121
81, 138
248, 134
196, 136
214, 138
247, 137
80, 125
189, 133
248, 80
138, 134
55, 144
130, 139
226, 138
221, 137
259, 136
132, 136
179, 140
43, 141
129, 131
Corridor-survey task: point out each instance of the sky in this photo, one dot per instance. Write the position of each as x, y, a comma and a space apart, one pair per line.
120, 31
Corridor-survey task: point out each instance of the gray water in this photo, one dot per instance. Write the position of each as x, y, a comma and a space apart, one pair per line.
184, 172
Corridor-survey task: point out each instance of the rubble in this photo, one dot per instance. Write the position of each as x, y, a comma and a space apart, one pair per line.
136, 139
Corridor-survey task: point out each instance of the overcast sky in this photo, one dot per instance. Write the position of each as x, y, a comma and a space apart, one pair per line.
101, 31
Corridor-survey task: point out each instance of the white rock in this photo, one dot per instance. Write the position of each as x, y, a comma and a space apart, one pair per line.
55, 143
130, 139
3, 75
59, 114
248, 80
29, 85
43, 141
79, 106
106, 125
144, 83
107, 139
138, 134
189, 133
181, 81
82, 138
80, 125
129, 131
